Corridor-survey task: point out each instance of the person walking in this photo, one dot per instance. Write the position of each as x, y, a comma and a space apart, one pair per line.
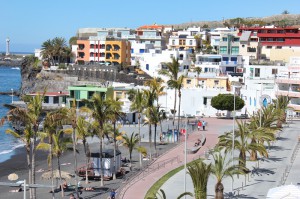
199, 125
203, 125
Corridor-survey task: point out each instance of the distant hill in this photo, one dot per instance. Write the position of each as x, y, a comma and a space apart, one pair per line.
279, 20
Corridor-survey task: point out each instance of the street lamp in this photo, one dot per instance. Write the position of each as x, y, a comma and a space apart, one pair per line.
12, 95
234, 85
185, 154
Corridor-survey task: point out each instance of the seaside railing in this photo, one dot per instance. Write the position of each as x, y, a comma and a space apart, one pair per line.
289, 166
143, 173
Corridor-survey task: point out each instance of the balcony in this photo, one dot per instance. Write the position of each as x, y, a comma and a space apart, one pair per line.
296, 107
286, 80
288, 93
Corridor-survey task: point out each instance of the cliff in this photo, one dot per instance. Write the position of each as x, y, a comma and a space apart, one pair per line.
35, 79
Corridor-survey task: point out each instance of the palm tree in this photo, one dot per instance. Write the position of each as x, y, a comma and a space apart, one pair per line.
60, 145
221, 169
172, 72
199, 172
100, 110
48, 51
241, 143
281, 106
114, 116
53, 121
153, 117
130, 143
71, 116
138, 105
82, 132
198, 70
162, 195
260, 134
177, 84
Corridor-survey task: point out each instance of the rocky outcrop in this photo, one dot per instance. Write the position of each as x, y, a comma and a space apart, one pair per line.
35, 79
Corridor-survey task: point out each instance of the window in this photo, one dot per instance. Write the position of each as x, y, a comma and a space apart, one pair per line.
270, 39
251, 49
236, 39
191, 42
235, 50
225, 58
223, 49
173, 42
257, 72
132, 50
171, 55
278, 47
188, 81
205, 100
216, 82
147, 66
142, 50
233, 59
274, 71
269, 47
224, 38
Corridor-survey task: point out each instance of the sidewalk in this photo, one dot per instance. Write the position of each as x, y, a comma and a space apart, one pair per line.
282, 167
137, 189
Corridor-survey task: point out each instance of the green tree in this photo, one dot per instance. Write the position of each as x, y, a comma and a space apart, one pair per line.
137, 99
172, 73
100, 110
162, 195
83, 131
198, 70
281, 104
73, 41
131, 143
114, 116
221, 168
226, 102
60, 145
285, 12
199, 172
242, 143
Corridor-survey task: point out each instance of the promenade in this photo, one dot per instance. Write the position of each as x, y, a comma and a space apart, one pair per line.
138, 187
280, 168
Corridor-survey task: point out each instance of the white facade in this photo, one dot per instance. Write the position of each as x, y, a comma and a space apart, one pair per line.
152, 61
38, 53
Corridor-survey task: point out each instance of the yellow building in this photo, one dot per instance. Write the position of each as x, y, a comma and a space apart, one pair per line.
213, 82
112, 51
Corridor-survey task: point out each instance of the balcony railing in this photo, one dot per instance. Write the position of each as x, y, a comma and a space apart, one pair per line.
288, 93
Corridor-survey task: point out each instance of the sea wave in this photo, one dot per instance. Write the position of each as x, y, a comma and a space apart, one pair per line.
12, 149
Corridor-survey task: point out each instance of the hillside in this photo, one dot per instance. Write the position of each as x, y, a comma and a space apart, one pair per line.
282, 19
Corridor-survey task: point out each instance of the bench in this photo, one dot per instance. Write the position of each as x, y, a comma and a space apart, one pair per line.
195, 149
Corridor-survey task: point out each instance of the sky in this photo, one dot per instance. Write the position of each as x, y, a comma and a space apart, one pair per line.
29, 23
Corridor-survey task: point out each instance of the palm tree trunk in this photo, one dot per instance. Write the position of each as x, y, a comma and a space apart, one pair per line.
179, 96
174, 114
86, 160
28, 156
115, 158
75, 162
101, 164
242, 159
253, 154
33, 165
200, 194
60, 178
140, 155
219, 188
150, 141
51, 162
155, 127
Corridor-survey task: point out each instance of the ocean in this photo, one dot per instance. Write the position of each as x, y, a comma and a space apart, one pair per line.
10, 78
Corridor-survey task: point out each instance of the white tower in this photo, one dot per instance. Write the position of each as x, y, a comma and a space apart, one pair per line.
7, 45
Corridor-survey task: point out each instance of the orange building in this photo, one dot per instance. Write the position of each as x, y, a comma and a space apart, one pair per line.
112, 51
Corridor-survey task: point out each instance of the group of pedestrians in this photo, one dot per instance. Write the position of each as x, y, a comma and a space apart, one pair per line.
201, 124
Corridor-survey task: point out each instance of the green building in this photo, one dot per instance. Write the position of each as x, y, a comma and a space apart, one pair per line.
86, 92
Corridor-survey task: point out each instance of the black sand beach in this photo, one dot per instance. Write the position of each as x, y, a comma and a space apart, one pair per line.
17, 164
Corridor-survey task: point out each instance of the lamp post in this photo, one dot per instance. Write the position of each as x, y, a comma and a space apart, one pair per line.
12, 96
234, 85
185, 154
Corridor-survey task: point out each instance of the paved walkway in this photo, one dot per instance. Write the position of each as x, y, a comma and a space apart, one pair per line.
138, 187
282, 167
